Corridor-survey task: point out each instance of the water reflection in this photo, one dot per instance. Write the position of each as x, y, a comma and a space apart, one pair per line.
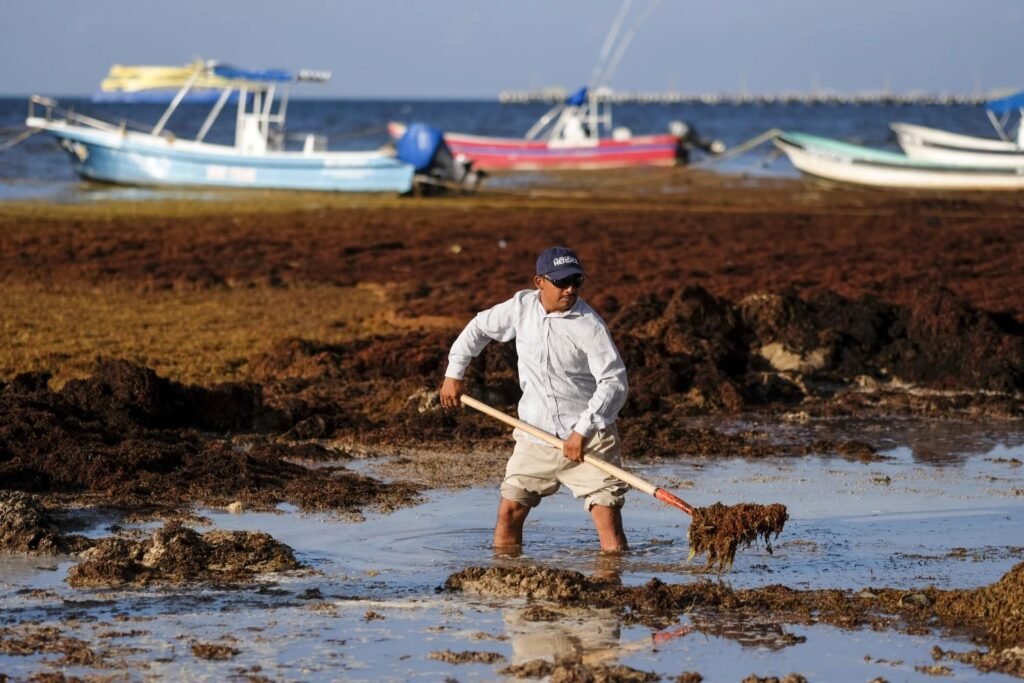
554, 632
747, 631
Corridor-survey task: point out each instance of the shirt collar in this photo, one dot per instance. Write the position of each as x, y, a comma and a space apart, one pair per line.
575, 311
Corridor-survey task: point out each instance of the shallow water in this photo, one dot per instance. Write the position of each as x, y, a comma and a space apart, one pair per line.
944, 510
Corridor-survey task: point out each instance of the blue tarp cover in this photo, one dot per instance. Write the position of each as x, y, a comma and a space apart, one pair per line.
577, 98
1006, 105
265, 75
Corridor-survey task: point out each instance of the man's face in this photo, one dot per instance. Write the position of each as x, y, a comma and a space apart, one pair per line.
558, 295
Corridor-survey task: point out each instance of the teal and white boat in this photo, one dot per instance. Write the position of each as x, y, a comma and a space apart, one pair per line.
116, 153
848, 163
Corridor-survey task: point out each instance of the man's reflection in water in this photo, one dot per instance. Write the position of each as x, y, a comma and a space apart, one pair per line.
552, 632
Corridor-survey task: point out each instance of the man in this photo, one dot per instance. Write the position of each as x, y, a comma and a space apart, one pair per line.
574, 384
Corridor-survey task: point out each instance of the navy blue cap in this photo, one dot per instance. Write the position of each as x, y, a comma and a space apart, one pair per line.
558, 262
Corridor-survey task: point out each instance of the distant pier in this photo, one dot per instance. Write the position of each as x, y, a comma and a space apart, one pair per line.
557, 94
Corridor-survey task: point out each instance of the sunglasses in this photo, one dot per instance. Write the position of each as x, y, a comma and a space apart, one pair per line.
567, 282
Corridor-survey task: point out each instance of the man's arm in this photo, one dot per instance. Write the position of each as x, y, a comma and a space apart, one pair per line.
494, 324
612, 387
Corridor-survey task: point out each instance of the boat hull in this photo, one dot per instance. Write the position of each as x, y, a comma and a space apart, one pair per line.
844, 163
943, 147
130, 158
515, 154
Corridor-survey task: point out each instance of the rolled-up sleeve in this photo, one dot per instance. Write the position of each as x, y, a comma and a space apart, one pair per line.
495, 324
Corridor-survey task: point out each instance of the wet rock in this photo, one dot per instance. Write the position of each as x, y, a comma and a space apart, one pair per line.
176, 554
26, 527
688, 677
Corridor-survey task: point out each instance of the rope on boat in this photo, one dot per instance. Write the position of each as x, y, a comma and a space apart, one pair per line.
24, 135
739, 149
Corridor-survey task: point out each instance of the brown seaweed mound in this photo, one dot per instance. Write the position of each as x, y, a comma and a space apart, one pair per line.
998, 608
25, 527
534, 582
575, 670
720, 530
176, 554
466, 657
133, 438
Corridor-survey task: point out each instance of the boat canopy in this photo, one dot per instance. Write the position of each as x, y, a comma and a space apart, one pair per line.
200, 75
1006, 105
269, 75
578, 98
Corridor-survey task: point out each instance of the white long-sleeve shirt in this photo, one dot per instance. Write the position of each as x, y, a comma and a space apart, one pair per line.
571, 374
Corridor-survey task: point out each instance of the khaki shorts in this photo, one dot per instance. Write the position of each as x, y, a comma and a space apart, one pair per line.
537, 470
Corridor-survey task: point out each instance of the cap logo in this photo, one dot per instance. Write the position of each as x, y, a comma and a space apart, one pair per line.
562, 260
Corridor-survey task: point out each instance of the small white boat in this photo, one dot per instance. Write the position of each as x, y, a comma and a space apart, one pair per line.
847, 163
945, 147
114, 153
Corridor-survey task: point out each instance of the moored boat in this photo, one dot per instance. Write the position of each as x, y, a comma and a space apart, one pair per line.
843, 162
945, 147
575, 134
116, 153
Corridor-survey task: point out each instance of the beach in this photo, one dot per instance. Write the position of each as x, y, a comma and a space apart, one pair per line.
250, 381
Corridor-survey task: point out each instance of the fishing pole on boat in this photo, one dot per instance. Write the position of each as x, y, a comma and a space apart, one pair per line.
627, 39
605, 68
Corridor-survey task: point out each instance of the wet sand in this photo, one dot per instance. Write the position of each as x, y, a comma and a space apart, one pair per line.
861, 354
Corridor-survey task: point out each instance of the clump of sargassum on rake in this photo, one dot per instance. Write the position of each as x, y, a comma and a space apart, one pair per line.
718, 530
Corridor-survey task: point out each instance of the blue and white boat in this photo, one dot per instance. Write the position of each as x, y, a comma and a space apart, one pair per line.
116, 153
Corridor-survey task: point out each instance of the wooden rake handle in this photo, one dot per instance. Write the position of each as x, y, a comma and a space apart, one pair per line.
631, 479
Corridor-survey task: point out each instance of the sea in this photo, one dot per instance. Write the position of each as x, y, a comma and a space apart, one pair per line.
37, 168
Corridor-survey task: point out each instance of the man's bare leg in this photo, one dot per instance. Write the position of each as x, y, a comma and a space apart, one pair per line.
608, 522
508, 532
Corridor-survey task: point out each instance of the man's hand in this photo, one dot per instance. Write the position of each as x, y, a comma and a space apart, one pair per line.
450, 392
572, 447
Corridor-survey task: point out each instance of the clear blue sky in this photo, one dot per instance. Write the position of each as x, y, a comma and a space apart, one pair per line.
475, 48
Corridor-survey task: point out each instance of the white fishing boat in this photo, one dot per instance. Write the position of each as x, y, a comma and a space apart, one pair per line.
115, 152
843, 162
945, 147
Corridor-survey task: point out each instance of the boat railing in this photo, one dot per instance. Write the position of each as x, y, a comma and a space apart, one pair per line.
52, 111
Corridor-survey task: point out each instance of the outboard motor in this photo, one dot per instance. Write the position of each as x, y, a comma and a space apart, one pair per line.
423, 147
689, 139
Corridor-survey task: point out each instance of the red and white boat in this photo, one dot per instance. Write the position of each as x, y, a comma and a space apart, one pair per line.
576, 134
